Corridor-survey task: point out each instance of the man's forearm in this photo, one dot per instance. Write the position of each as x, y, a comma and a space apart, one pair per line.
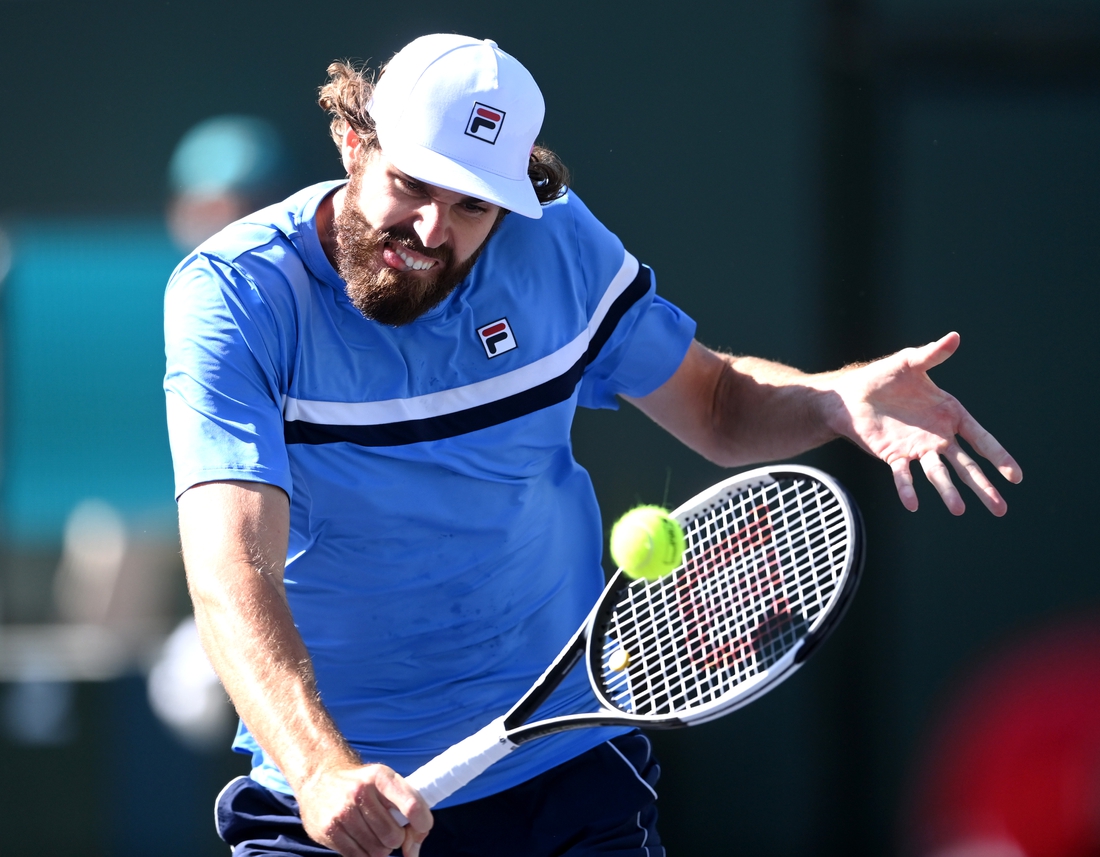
247, 629
764, 411
742, 410
266, 670
234, 546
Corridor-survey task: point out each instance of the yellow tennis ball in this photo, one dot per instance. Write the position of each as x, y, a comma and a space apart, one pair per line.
619, 660
647, 542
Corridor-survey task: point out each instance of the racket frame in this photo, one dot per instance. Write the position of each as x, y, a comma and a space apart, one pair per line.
587, 641
459, 764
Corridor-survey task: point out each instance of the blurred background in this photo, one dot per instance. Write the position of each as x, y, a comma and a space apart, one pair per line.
851, 176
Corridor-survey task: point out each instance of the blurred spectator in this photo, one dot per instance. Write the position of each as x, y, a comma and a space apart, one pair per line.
185, 693
224, 168
85, 451
1013, 768
92, 554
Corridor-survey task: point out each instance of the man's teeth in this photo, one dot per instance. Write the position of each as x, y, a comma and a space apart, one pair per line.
415, 265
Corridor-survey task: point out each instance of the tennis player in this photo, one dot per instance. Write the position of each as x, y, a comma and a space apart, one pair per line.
370, 388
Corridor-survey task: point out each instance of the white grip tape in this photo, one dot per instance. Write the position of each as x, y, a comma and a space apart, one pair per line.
457, 765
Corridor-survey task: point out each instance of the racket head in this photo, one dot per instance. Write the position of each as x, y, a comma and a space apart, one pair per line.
772, 559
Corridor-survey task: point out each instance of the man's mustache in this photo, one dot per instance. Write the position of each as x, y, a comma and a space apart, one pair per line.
410, 241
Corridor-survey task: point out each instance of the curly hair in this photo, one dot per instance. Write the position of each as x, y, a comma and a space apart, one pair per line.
348, 92
345, 98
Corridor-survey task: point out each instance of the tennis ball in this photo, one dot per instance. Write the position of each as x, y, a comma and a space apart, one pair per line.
647, 542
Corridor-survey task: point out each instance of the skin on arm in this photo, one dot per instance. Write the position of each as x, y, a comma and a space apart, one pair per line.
234, 537
741, 410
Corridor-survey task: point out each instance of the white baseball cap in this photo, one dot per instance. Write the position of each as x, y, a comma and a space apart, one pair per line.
463, 115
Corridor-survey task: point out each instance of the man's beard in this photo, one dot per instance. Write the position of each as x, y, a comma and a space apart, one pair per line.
378, 291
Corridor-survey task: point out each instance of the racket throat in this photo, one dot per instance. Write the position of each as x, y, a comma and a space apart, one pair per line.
548, 682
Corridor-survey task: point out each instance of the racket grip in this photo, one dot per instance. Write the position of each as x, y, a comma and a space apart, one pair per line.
458, 764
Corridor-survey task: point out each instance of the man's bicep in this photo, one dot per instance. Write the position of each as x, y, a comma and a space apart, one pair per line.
233, 524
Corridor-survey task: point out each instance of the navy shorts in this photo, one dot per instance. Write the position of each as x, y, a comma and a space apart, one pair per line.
600, 803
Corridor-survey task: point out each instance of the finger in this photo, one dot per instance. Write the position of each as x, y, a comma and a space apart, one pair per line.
413, 841
358, 827
903, 482
418, 814
934, 353
392, 793
972, 475
937, 473
406, 800
989, 448
381, 825
344, 844
413, 814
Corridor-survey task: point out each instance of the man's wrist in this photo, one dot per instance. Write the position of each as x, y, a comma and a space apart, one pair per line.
317, 763
827, 404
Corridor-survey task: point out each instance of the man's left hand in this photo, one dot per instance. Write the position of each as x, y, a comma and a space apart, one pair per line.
892, 409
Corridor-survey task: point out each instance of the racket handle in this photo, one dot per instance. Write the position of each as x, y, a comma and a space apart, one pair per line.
457, 765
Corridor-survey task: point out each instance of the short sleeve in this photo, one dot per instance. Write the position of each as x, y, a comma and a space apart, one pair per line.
649, 348
225, 377
642, 339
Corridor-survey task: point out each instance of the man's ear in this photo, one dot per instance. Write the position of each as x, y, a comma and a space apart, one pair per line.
351, 148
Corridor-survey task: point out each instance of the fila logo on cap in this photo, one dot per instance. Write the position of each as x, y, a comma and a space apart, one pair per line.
485, 122
496, 338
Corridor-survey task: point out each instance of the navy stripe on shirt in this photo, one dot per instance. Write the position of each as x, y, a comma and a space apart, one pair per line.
544, 395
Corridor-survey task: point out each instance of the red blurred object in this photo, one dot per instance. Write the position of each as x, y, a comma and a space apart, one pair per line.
1015, 763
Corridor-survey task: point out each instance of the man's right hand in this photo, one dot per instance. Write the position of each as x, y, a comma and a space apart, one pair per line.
348, 810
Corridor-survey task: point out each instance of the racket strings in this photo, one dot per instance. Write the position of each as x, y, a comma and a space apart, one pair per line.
760, 566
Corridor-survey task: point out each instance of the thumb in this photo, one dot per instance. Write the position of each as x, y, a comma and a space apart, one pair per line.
934, 353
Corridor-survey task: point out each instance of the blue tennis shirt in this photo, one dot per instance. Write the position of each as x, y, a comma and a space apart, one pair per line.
444, 543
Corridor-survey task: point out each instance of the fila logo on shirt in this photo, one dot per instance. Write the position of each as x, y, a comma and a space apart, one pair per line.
496, 338
485, 122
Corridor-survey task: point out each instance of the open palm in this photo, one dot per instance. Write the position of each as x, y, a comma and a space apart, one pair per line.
893, 409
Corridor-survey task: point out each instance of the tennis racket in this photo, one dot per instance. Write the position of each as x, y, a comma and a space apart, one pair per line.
771, 562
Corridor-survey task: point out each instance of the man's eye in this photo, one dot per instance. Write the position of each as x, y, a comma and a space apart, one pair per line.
411, 185
475, 208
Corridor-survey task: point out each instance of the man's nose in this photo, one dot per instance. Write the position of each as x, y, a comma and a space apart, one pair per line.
431, 225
